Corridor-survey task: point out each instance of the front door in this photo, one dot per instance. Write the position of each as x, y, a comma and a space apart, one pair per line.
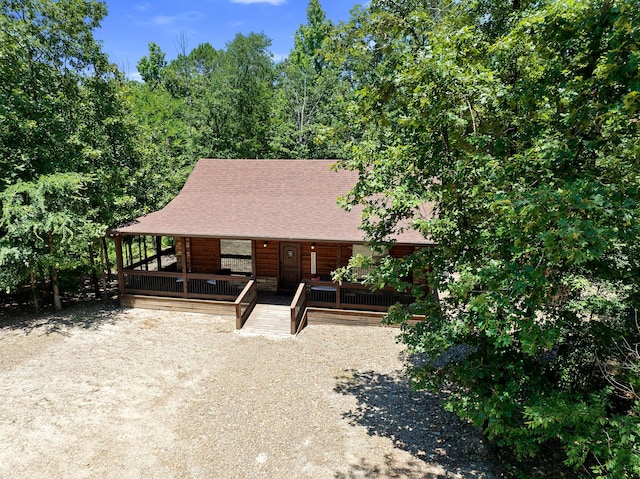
289, 266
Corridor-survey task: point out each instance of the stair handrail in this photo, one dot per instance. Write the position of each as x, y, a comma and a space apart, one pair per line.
299, 303
241, 316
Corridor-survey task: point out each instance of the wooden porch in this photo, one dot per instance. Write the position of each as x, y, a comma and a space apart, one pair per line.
238, 296
181, 277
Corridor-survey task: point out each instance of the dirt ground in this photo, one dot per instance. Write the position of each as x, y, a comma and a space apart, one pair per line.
101, 392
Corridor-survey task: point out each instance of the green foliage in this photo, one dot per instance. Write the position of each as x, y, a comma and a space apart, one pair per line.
206, 103
248, 78
307, 96
47, 50
303, 112
165, 146
64, 125
309, 40
151, 68
518, 124
47, 223
236, 103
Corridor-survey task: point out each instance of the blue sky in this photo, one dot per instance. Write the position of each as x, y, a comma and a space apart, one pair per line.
131, 25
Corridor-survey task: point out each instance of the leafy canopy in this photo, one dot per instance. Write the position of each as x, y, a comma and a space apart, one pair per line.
63, 119
519, 123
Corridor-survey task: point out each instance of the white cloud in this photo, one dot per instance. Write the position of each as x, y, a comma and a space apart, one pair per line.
271, 2
162, 20
143, 7
135, 76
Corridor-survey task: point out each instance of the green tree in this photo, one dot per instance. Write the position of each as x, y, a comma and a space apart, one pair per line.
47, 225
248, 82
205, 103
47, 49
518, 123
310, 38
182, 76
165, 145
226, 96
308, 89
61, 112
151, 68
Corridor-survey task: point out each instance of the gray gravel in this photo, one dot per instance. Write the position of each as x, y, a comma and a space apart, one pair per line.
111, 393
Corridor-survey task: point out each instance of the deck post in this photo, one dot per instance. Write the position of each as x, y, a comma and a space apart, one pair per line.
159, 251
120, 264
254, 246
146, 254
185, 282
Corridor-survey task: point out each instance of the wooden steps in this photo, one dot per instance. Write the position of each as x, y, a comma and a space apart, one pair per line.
268, 320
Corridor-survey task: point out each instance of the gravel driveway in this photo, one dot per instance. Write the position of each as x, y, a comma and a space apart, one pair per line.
113, 393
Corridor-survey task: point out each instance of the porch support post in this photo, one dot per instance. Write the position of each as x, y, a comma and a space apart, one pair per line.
146, 254
185, 282
254, 247
120, 264
159, 251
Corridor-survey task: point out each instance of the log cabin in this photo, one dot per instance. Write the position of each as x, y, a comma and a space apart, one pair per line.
242, 229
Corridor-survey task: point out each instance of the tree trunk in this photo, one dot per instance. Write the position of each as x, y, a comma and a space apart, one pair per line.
105, 265
34, 290
105, 251
46, 294
94, 274
57, 302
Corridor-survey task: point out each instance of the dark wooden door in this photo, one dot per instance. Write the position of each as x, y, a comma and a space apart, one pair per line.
289, 266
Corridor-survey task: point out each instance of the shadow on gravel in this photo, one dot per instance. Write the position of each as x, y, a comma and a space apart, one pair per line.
415, 422
391, 468
89, 315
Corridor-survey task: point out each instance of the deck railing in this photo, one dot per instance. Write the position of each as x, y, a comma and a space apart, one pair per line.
230, 287
298, 307
353, 296
245, 303
180, 285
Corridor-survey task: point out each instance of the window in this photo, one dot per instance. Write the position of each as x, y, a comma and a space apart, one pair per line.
365, 250
235, 256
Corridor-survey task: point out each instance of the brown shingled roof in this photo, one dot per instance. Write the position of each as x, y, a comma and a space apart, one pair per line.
261, 199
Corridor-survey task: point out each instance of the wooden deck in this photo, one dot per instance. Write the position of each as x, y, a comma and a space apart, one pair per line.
344, 317
272, 320
278, 315
224, 308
